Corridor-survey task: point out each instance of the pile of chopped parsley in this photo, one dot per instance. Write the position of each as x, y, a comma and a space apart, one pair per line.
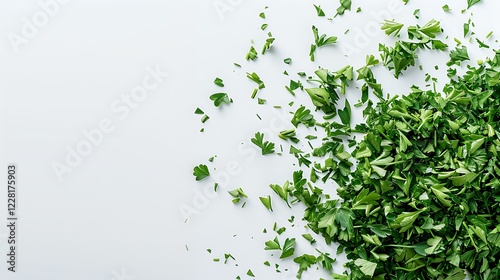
419, 193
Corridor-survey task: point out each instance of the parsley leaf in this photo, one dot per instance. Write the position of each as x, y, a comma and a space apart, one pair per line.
266, 146
201, 172
220, 98
471, 3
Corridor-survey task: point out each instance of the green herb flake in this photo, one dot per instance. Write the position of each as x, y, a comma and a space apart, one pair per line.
471, 3
219, 82
266, 146
267, 202
319, 11
201, 172
251, 55
220, 98
255, 78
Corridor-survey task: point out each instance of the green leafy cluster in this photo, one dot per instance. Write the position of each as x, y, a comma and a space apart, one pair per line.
423, 201
403, 54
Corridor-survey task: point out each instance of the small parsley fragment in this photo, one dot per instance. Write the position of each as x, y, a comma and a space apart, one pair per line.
269, 42
320, 41
458, 55
446, 8
282, 192
428, 31
391, 27
220, 98
303, 116
201, 172
287, 60
471, 3
218, 81
227, 257
400, 57
289, 134
237, 195
255, 78
204, 118
309, 238
266, 146
287, 250
319, 11
416, 13
267, 202
252, 54
344, 6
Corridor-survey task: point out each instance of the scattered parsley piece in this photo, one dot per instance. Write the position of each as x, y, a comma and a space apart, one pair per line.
252, 54
446, 8
319, 11
237, 194
320, 41
269, 42
282, 192
309, 238
220, 98
254, 93
471, 3
287, 250
458, 55
416, 13
303, 116
391, 27
219, 82
289, 135
201, 172
227, 257
344, 6
287, 60
255, 78
266, 146
267, 202
428, 31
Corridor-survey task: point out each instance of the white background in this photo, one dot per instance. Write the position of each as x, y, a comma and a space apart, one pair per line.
117, 215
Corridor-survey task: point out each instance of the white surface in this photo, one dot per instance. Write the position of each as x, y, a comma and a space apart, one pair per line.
117, 214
